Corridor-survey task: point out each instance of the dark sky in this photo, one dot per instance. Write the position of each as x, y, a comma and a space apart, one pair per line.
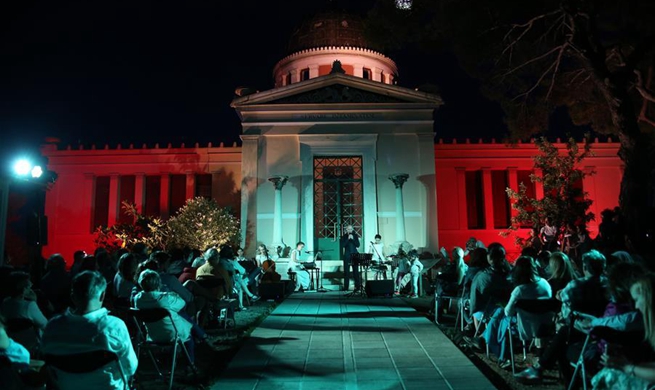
158, 71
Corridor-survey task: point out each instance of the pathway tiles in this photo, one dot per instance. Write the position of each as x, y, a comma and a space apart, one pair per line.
328, 341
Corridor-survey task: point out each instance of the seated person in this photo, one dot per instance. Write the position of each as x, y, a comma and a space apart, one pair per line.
213, 269
18, 356
189, 273
88, 327
267, 265
56, 284
22, 304
491, 286
239, 280
620, 372
528, 285
124, 280
162, 331
295, 266
404, 267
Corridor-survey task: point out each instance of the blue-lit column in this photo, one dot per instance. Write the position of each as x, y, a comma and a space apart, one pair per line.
398, 180
278, 183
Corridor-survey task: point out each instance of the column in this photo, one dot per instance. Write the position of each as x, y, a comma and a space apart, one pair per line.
398, 180
513, 182
295, 76
358, 70
139, 191
461, 196
114, 204
313, 71
164, 195
377, 74
278, 183
249, 182
190, 185
487, 190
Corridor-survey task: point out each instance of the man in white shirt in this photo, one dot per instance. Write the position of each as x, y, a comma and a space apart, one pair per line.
88, 327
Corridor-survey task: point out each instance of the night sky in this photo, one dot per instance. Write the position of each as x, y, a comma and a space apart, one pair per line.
159, 71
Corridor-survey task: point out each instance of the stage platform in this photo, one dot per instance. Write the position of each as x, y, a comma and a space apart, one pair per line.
326, 341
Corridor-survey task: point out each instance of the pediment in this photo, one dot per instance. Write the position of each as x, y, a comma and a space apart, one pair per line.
337, 93
337, 89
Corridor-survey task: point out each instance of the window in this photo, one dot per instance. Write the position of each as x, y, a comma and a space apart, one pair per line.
153, 191
287, 79
204, 186
474, 200
304, 74
101, 202
499, 183
366, 73
178, 193
127, 185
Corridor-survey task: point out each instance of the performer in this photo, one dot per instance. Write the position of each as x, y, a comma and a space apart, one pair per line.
403, 268
415, 270
349, 245
302, 276
548, 235
267, 266
376, 248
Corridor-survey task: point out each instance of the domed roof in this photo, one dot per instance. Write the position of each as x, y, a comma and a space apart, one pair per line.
329, 29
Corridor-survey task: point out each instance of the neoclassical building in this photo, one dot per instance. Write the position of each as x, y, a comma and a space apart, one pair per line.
335, 142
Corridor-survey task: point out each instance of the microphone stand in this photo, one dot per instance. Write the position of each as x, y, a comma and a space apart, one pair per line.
319, 282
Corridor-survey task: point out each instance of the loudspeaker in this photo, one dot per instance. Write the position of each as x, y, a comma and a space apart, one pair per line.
274, 290
375, 288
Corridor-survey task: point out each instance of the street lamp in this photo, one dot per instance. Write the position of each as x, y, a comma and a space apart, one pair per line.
23, 168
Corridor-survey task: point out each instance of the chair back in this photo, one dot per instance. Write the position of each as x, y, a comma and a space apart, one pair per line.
81, 363
85, 362
536, 317
210, 282
150, 315
15, 325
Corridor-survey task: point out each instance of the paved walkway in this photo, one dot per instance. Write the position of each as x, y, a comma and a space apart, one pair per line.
325, 341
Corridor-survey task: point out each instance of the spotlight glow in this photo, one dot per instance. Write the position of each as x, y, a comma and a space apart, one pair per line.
404, 4
37, 171
22, 167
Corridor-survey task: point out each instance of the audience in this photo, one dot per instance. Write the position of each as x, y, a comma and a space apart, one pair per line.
22, 304
151, 297
561, 271
490, 287
55, 284
86, 327
212, 269
124, 281
619, 372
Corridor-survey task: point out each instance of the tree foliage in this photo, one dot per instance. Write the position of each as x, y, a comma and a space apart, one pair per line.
143, 229
564, 202
201, 223
594, 57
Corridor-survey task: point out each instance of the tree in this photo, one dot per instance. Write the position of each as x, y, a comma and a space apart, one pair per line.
594, 57
144, 229
201, 223
564, 202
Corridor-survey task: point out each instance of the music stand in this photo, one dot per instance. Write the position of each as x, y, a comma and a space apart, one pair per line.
319, 256
364, 262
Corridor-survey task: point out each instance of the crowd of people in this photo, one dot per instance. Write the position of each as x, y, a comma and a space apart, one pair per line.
596, 291
88, 308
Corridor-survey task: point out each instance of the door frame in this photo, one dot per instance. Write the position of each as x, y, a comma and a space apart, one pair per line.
339, 145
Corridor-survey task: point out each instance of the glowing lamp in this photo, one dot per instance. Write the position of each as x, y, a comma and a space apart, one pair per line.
22, 167
37, 171
404, 4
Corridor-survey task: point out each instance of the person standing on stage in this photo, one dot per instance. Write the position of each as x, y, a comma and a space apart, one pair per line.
349, 245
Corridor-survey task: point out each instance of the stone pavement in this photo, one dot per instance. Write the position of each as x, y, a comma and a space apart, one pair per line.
327, 341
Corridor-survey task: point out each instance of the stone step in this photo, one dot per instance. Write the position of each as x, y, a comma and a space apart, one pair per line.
331, 272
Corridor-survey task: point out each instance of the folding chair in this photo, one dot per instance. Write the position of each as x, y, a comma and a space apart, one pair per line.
143, 317
548, 308
633, 338
24, 332
83, 363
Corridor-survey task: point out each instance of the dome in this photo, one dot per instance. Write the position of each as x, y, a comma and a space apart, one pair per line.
336, 29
